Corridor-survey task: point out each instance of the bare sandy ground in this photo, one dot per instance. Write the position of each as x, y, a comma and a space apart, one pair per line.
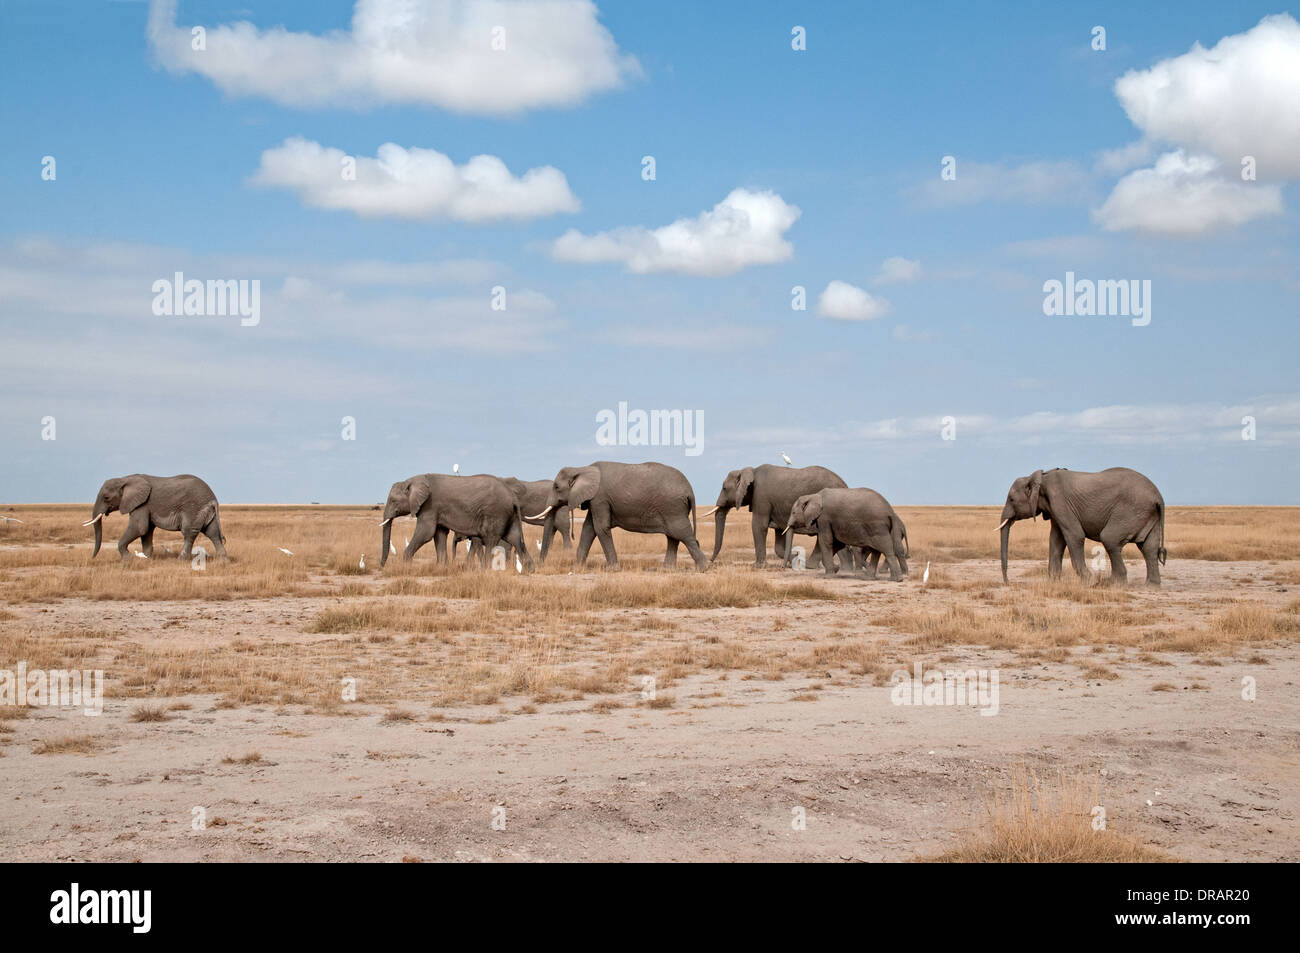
719, 775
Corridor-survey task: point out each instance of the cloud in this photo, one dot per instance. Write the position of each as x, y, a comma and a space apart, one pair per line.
746, 228
1236, 99
414, 183
904, 334
845, 302
1031, 183
897, 271
428, 52
1183, 196
1217, 106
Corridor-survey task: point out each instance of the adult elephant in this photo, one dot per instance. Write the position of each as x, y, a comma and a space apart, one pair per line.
181, 503
637, 497
769, 492
1113, 507
474, 506
854, 517
531, 496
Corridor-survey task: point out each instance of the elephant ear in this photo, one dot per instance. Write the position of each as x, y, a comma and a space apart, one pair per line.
135, 491
583, 486
745, 487
812, 508
418, 495
1035, 487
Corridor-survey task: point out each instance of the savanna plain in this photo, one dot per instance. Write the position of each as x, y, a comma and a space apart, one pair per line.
737, 714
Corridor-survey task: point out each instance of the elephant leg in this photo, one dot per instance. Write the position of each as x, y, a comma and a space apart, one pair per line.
814, 557
871, 564
758, 527
896, 572
1151, 553
423, 532
515, 537
679, 531
213, 532
1055, 551
146, 542
1115, 550
549, 529
606, 537
670, 554
1075, 541
826, 540
490, 543
584, 543
566, 534
189, 533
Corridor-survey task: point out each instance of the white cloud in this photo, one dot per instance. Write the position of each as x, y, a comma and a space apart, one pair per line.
1183, 196
845, 302
414, 184
898, 270
1238, 98
433, 52
1031, 183
746, 228
1218, 106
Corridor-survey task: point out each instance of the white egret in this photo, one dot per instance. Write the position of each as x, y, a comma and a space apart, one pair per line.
285, 551
788, 461
455, 468
392, 550
362, 564
925, 576
10, 519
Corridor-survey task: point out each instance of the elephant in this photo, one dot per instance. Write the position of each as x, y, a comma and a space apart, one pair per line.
769, 492
854, 517
473, 506
1113, 507
637, 497
181, 503
531, 495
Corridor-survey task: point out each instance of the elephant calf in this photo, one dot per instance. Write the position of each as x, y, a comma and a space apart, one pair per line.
1113, 507
181, 503
479, 507
854, 517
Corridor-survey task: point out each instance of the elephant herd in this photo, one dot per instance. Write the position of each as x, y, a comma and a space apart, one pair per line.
852, 527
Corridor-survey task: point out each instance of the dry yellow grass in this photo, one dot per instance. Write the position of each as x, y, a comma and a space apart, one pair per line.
1032, 820
453, 636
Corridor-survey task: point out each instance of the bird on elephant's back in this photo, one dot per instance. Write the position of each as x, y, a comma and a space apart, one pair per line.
1113, 507
636, 497
182, 503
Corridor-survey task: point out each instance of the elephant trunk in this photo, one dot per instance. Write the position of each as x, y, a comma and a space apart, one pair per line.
99, 537
385, 542
1006, 538
719, 529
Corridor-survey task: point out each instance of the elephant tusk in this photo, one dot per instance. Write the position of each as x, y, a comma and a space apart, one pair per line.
705, 516
542, 513
1002, 524
94, 521
386, 522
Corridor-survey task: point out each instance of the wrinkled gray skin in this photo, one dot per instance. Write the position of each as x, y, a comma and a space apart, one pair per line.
637, 497
856, 517
473, 506
183, 504
1113, 507
769, 492
531, 497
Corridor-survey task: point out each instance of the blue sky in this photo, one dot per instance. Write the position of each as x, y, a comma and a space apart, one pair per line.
169, 159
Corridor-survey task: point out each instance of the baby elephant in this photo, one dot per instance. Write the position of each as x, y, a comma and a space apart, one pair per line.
861, 517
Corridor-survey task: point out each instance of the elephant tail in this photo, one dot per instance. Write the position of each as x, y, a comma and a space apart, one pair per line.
902, 535
1156, 525
690, 502
1162, 554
